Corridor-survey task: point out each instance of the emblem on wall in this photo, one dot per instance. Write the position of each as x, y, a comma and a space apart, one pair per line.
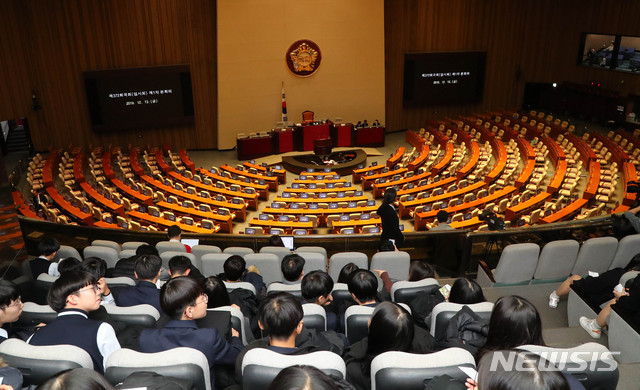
303, 58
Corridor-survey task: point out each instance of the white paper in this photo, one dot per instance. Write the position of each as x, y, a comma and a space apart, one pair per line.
593, 274
471, 373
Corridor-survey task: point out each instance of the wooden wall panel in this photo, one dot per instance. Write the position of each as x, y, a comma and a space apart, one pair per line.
47, 44
526, 41
60, 39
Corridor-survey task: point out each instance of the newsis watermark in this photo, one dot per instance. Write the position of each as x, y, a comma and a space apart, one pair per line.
577, 361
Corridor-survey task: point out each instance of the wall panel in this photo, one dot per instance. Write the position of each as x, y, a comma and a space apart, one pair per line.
60, 39
526, 41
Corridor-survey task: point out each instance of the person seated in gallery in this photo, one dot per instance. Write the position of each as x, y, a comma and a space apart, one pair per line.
292, 269
147, 271
316, 288
181, 266
73, 295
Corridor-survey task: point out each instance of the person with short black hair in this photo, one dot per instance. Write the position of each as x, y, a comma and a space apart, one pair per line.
181, 266
174, 233
292, 268
73, 295
346, 272
68, 264
10, 306
147, 270
316, 288
275, 240
43, 264
235, 270
98, 267
418, 270
442, 217
184, 300
363, 287
124, 267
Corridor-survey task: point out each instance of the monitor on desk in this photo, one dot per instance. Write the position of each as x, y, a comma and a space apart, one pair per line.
287, 241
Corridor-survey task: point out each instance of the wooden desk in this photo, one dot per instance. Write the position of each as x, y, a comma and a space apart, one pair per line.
405, 207
359, 173
22, 207
367, 181
305, 135
104, 202
103, 224
441, 183
50, 164
319, 182
85, 218
565, 212
446, 159
501, 161
558, 177
261, 189
186, 161
106, 165
288, 226
166, 223
468, 224
131, 193
524, 207
320, 200
226, 221
272, 181
594, 180
280, 173
628, 174
421, 159
379, 188
356, 224
473, 160
79, 163
396, 157
254, 146
135, 164
420, 219
239, 209
525, 175
162, 164
321, 213
316, 191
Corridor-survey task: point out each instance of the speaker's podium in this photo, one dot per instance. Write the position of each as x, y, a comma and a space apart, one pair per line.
322, 146
305, 134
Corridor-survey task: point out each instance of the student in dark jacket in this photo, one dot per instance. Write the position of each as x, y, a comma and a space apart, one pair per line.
181, 266
73, 295
147, 271
235, 270
184, 300
44, 264
389, 216
391, 329
125, 267
281, 318
316, 288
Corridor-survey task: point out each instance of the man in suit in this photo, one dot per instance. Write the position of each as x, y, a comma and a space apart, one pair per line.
184, 300
389, 217
147, 270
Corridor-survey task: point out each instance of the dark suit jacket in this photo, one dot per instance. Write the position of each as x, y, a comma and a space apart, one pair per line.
186, 334
390, 224
142, 292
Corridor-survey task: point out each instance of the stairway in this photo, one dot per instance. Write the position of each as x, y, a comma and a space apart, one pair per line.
17, 140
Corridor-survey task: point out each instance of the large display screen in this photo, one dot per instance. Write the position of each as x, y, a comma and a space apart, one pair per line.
443, 78
133, 98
